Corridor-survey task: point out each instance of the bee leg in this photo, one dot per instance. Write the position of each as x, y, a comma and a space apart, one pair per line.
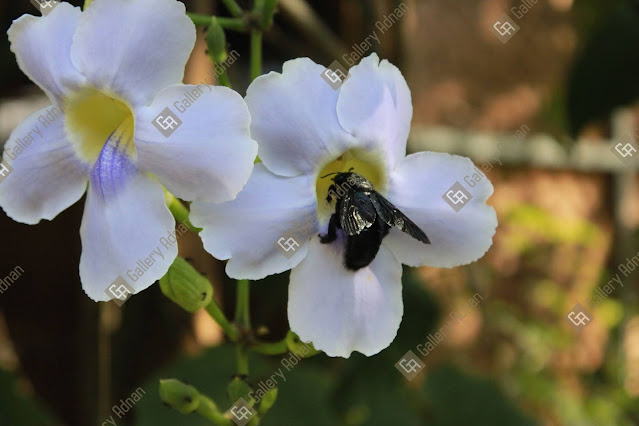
328, 197
331, 235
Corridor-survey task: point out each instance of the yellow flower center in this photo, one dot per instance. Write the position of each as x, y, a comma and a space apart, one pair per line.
363, 163
92, 117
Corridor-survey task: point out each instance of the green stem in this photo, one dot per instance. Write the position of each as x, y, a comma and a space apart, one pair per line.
256, 54
234, 24
275, 348
179, 211
216, 313
256, 43
258, 6
268, 10
242, 314
243, 322
242, 308
233, 7
208, 409
223, 79
242, 360
87, 3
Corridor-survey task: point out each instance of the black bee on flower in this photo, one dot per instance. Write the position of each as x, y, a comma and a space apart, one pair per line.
365, 216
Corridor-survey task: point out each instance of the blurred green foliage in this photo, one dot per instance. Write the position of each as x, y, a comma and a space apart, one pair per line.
318, 392
18, 409
357, 391
536, 354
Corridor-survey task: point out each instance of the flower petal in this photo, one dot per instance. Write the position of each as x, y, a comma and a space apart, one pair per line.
133, 48
47, 177
375, 106
247, 229
457, 238
341, 311
210, 156
42, 47
295, 119
126, 228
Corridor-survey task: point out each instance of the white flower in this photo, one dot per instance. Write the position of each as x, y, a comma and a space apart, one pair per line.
305, 130
109, 72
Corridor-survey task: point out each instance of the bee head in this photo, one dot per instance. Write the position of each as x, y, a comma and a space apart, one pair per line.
340, 177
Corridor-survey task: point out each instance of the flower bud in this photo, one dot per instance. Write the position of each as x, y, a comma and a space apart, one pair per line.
216, 42
186, 287
238, 388
267, 401
180, 396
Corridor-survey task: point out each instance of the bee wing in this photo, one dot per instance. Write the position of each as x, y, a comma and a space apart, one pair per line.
357, 212
393, 217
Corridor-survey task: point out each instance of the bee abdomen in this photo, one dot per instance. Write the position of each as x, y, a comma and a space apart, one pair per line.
361, 249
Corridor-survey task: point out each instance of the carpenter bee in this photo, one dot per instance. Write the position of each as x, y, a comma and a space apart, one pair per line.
365, 216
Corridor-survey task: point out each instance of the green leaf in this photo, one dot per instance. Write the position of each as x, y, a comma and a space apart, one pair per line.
457, 398
373, 393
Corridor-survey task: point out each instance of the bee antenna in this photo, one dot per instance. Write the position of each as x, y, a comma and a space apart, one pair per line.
329, 175
351, 169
